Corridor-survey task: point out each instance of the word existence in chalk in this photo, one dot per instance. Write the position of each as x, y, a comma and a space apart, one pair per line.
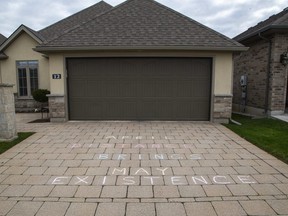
152, 180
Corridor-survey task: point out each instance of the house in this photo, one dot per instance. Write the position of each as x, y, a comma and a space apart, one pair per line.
139, 60
263, 68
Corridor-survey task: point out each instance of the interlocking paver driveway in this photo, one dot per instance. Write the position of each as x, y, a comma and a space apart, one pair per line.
139, 168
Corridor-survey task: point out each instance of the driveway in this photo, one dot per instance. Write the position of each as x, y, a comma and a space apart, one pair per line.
139, 168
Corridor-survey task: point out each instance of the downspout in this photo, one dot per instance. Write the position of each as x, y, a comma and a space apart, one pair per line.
268, 72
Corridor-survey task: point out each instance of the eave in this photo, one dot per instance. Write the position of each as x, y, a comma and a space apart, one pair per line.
44, 49
16, 34
265, 31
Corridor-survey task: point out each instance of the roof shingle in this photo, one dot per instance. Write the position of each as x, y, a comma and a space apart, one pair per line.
277, 20
142, 23
58, 28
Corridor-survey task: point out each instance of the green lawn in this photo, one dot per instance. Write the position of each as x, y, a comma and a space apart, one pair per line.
4, 146
269, 134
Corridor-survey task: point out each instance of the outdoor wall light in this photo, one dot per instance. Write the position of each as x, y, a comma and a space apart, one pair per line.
284, 58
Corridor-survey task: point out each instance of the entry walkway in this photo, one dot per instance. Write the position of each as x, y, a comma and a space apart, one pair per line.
139, 168
283, 117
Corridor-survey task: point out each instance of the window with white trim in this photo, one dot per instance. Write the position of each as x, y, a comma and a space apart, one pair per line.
27, 74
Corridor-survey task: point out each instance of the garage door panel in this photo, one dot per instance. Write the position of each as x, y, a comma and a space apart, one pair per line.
119, 87
199, 89
156, 87
185, 88
193, 111
184, 110
152, 109
121, 110
200, 111
139, 88
89, 110
94, 88
79, 88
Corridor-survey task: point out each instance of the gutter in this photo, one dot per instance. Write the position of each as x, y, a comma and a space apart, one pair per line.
262, 30
133, 48
3, 56
268, 72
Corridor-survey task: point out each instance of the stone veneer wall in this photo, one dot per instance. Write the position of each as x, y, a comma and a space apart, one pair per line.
222, 108
57, 108
26, 105
7, 113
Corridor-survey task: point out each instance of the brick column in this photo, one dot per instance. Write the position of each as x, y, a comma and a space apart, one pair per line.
222, 108
7, 113
57, 108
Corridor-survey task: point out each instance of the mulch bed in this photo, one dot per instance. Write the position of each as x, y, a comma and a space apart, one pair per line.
40, 120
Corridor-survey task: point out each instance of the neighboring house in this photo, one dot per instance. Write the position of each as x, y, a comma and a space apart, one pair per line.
138, 61
266, 75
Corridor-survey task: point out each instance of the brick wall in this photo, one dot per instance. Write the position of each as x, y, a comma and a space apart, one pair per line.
252, 63
279, 74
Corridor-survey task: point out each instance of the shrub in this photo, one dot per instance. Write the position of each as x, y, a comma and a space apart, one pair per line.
40, 95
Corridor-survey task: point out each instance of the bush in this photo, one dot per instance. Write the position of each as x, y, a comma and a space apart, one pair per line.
40, 95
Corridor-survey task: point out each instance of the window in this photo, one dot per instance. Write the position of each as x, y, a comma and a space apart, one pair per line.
27, 72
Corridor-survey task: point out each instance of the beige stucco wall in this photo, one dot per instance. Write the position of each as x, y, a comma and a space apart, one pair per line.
56, 66
222, 67
21, 49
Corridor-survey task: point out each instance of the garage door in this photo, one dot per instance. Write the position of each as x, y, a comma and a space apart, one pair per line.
139, 88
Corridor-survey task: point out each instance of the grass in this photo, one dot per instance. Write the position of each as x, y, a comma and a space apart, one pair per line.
4, 146
271, 135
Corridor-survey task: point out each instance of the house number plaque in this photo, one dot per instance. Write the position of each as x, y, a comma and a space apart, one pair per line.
56, 76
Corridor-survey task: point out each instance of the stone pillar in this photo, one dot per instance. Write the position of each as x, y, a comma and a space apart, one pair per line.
222, 108
57, 108
7, 113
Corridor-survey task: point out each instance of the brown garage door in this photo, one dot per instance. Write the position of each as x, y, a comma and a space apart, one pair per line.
139, 88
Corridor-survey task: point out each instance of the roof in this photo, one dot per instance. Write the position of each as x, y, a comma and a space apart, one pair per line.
2, 38
64, 25
141, 24
58, 28
277, 21
17, 32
